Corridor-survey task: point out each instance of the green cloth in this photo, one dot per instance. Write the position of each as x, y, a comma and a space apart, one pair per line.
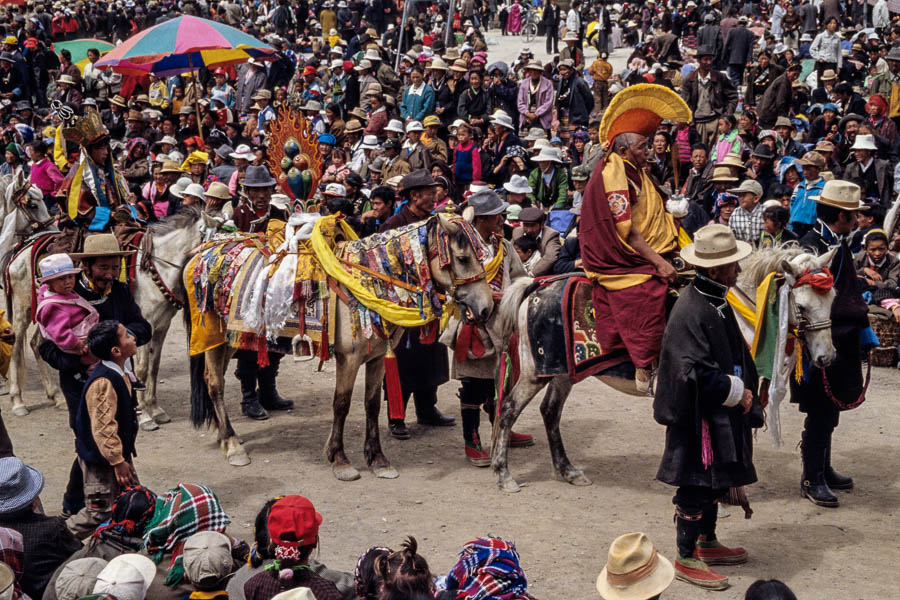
764, 347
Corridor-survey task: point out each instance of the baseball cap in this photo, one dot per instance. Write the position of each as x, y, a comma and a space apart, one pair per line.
294, 522
207, 558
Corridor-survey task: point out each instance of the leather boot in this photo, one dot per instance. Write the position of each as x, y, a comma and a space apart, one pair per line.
427, 412
835, 480
688, 567
268, 393
250, 406
813, 485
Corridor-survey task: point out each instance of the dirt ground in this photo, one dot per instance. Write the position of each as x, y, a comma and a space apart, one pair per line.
562, 532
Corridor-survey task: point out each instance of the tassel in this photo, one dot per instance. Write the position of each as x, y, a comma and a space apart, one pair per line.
176, 573
706, 452
396, 408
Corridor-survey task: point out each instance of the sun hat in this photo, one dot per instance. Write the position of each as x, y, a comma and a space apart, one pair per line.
634, 569
370, 142
374, 89
363, 65
258, 176
420, 178
78, 577
377, 165
207, 558
783, 122
95, 246
20, 483
243, 151
261, 94
359, 113
170, 166
194, 189
534, 65
298, 593
812, 159
570, 36
715, 245
414, 126
394, 181
335, 189
534, 134
118, 101
313, 105
531, 214
539, 144
372, 54
864, 141
748, 186
337, 63
841, 194
126, 577
294, 522
437, 64
723, 175
517, 184
824, 146
486, 203
548, 154
353, 126
893, 54
55, 266
828, 75
178, 188
501, 118
218, 190
459, 65
431, 120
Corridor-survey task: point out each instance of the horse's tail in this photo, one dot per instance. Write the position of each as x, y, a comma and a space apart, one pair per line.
202, 411
513, 297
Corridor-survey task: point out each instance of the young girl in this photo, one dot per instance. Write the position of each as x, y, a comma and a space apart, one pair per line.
44, 174
729, 139
338, 169
466, 158
63, 316
775, 220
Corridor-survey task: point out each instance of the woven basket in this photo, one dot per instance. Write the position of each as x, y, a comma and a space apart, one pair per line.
887, 330
884, 356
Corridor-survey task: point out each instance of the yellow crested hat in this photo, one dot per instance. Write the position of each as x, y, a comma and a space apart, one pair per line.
194, 158
640, 109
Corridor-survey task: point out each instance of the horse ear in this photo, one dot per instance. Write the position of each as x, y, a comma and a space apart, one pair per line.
786, 267
209, 222
825, 259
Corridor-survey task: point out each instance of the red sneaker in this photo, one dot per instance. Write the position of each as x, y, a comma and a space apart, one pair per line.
696, 572
714, 553
520, 440
477, 456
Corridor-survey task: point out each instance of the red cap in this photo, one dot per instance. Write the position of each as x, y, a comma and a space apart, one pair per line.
31, 43
220, 71
294, 522
348, 66
309, 70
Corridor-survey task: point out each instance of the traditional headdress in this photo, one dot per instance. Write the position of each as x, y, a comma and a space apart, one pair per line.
640, 109
86, 129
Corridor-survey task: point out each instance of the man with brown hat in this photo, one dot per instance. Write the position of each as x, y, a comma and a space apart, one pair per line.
706, 397
825, 391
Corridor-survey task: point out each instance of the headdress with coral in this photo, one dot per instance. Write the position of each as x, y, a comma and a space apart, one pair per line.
640, 109
87, 129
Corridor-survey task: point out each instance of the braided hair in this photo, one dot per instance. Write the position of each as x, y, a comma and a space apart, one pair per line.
405, 574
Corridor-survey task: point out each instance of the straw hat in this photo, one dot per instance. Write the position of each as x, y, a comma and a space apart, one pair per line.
101, 244
437, 64
170, 166
715, 245
829, 75
548, 154
723, 175
218, 190
353, 126
634, 569
459, 65
731, 160
841, 194
66, 79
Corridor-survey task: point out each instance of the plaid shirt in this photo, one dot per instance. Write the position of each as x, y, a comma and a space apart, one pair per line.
266, 585
746, 225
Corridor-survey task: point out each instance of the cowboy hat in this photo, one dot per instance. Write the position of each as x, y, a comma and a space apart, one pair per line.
517, 184
864, 141
548, 154
840, 194
395, 125
812, 159
359, 113
101, 244
243, 151
715, 245
829, 75
486, 203
414, 126
501, 118
218, 190
634, 569
20, 483
258, 176
783, 122
437, 64
170, 166
118, 101
723, 175
763, 151
459, 65
370, 142
415, 180
353, 126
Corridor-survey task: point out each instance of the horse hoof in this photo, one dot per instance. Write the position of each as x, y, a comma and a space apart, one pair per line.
241, 459
579, 479
386, 472
20, 410
146, 423
345, 473
161, 417
510, 486
61, 405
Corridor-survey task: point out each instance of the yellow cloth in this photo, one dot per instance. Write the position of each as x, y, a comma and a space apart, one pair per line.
762, 293
207, 329
5, 349
683, 238
492, 267
322, 242
894, 104
59, 149
195, 157
75, 189
648, 217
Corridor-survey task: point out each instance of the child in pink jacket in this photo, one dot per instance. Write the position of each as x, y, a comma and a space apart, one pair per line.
63, 316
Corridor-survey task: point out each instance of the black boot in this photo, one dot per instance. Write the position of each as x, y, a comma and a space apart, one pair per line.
813, 485
427, 412
250, 406
268, 393
835, 480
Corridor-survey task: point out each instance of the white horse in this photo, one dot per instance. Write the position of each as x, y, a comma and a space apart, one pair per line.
157, 290
810, 315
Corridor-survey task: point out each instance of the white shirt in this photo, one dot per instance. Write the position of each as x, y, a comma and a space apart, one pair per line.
573, 22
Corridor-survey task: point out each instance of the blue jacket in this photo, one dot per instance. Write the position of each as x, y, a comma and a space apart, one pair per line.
415, 107
803, 208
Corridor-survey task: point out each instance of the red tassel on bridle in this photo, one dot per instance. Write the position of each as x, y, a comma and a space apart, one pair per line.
821, 280
396, 407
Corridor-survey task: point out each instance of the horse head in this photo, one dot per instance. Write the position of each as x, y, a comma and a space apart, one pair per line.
810, 310
32, 215
457, 269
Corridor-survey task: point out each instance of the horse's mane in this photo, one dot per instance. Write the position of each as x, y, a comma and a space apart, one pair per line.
185, 217
755, 267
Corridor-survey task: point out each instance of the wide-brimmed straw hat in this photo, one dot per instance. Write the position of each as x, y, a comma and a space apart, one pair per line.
723, 175
841, 194
634, 569
715, 245
101, 244
829, 75
731, 160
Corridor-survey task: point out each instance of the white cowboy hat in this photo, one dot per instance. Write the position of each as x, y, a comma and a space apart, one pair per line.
194, 189
518, 184
370, 142
414, 126
841, 194
395, 125
243, 151
501, 118
634, 570
865, 141
715, 245
550, 154
372, 54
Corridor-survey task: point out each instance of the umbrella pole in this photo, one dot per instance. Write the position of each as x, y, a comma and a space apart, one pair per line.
197, 96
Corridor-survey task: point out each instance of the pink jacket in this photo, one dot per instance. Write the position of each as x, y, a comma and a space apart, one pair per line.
65, 319
544, 102
46, 176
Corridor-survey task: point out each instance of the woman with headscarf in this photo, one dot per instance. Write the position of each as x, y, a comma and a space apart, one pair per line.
15, 160
136, 168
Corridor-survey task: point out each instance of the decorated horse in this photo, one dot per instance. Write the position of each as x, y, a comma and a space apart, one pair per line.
323, 292
156, 285
562, 310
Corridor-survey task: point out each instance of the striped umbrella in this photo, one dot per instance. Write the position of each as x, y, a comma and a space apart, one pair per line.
183, 44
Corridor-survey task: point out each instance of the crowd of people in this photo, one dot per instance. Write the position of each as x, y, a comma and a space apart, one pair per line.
792, 137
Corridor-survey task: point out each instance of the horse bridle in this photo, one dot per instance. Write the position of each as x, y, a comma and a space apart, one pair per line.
803, 324
36, 225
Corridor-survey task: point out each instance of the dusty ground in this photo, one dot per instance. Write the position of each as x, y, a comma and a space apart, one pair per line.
562, 532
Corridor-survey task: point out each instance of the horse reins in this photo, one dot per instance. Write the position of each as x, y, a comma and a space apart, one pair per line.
148, 264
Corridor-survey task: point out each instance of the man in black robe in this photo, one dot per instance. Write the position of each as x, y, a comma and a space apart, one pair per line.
706, 396
836, 212
423, 367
